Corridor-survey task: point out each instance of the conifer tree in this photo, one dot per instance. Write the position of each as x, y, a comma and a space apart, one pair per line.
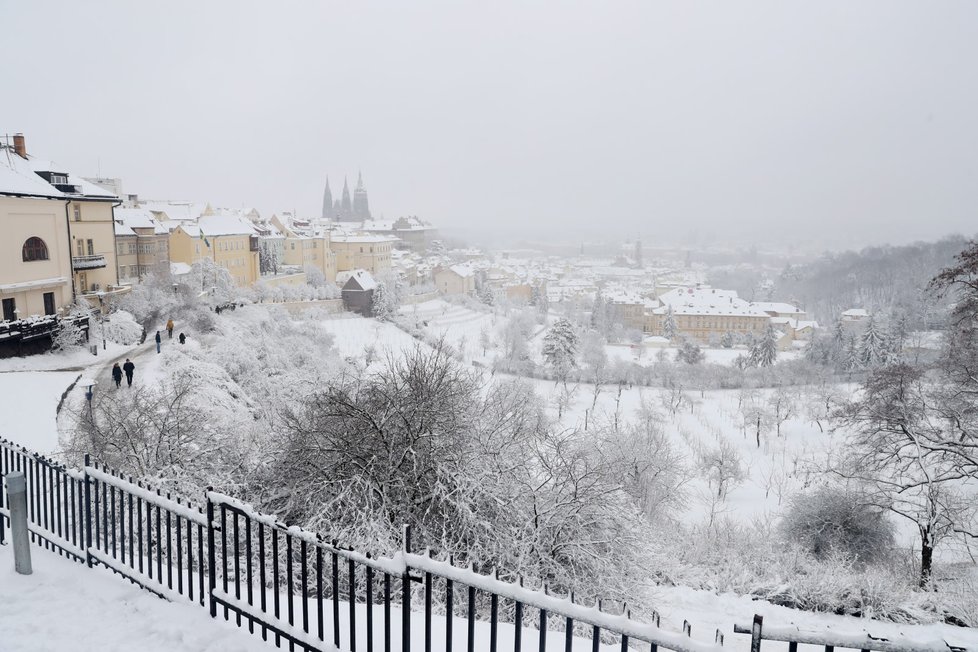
873, 344
560, 348
764, 351
669, 327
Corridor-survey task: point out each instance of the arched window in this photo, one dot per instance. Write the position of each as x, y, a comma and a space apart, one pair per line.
35, 249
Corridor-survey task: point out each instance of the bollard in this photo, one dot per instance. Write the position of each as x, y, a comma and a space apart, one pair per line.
17, 501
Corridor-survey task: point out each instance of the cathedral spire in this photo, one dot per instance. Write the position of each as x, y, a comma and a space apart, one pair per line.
346, 205
327, 202
361, 208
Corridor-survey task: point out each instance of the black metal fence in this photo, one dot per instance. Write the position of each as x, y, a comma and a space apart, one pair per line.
296, 589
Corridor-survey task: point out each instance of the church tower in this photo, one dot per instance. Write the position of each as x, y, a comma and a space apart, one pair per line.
361, 208
346, 208
327, 202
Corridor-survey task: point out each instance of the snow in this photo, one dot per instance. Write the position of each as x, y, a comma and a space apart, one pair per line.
353, 334
29, 403
18, 178
148, 496
708, 610
216, 225
707, 301
64, 605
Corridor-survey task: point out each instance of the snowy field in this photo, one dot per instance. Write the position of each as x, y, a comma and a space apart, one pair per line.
29, 401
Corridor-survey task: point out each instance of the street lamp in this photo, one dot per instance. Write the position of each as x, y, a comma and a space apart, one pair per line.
101, 319
89, 385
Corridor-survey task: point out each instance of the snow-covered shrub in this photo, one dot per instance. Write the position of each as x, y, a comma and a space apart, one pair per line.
478, 472
121, 328
68, 336
836, 522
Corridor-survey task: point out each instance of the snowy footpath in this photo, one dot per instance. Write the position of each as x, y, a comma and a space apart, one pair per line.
66, 606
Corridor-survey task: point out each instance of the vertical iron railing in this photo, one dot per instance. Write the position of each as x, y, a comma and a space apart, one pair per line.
297, 590
55, 501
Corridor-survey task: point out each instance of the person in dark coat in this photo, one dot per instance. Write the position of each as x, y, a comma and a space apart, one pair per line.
158, 340
117, 374
183, 338
129, 367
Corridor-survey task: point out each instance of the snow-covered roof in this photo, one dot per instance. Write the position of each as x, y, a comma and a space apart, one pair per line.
464, 271
123, 230
856, 313
361, 276
215, 225
177, 210
138, 218
19, 176
180, 269
400, 224
707, 301
83, 187
358, 238
778, 307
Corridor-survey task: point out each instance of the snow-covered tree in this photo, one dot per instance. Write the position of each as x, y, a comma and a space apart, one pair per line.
268, 257
689, 352
485, 339
764, 350
727, 340
669, 327
486, 294
315, 276
560, 347
873, 344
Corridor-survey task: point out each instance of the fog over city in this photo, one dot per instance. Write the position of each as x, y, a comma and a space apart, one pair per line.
835, 123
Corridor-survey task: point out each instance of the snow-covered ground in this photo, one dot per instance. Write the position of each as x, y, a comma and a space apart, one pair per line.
66, 606
29, 401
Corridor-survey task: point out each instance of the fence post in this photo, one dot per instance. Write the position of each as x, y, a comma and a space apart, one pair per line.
406, 595
17, 501
211, 571
3, 457
88, 512
755, 633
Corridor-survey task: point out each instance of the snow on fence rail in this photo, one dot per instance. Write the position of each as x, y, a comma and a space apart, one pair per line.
290, 585
831, 639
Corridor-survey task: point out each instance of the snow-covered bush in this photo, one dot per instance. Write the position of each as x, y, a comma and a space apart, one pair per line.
835, 522
121, 328
479, 474
68, 336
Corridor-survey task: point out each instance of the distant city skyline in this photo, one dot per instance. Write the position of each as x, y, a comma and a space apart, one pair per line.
837, 122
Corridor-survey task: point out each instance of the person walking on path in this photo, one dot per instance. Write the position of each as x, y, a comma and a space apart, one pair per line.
158, 340
183, 338
129, 367
117, 375
169, 328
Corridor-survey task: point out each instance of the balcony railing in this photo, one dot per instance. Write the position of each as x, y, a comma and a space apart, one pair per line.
87, 262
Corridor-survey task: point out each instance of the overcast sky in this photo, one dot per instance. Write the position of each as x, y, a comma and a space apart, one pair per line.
760, 120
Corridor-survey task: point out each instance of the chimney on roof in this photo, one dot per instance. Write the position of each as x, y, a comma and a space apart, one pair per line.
20, 145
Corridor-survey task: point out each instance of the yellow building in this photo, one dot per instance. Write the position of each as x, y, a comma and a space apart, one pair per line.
361, 251
454, 280
58, 236
142, 244
705, 314
229, 241
309, 251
